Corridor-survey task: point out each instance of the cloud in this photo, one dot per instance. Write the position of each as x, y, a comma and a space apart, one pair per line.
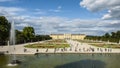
56, 10
13, 13
10, 10
65, 25
56, 24
40, 12
113, 13
60, 25
6, 0
113, 7
22, 25
59, 7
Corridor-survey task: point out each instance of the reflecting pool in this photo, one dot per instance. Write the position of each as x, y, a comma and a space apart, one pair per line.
64, 61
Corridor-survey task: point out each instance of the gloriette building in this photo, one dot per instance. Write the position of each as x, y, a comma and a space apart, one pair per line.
68, 36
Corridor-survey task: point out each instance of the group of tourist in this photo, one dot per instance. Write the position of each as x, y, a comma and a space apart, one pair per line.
74, 46
78, 48
25, 50
90, 49
105, 49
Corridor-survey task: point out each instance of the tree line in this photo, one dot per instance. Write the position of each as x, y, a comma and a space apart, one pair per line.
112, 37
24, 36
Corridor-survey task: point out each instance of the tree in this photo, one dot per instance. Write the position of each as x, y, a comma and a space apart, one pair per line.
107, 35
19, 36
42, 37
28, 33
4, 29
118, 34
113, 35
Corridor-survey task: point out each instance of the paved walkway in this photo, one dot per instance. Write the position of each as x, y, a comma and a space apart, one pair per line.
75, 47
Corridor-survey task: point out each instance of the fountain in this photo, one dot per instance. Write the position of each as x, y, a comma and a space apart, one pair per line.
14, 61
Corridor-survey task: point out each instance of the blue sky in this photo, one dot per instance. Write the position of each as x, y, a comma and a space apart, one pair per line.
91, 17
63, 8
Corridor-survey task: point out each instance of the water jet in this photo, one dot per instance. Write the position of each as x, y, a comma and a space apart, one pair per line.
14, 61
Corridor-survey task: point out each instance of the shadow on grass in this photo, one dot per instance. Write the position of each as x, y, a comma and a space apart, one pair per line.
84, 64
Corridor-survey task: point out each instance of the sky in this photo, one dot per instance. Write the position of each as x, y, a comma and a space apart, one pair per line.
90, 17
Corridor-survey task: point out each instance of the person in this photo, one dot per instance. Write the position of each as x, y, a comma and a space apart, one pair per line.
93, 49
97, 49
7, 51
101, 50
83, 49
105, 49
75, 50
25, 50
37, 50
62, 50
70, 49
80, 50
47, 50
110, 49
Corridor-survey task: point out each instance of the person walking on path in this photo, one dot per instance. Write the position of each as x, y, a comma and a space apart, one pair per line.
25, 50
37, 50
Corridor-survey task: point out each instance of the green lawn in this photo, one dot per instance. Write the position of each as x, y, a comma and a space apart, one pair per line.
88, 41
107, 45
100, 44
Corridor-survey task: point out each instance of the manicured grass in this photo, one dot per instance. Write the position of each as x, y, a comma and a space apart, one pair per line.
88, 41
57, 41
100, 44
107, 45
49, 44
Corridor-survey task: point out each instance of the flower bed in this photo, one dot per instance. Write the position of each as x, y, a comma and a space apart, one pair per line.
49, 44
